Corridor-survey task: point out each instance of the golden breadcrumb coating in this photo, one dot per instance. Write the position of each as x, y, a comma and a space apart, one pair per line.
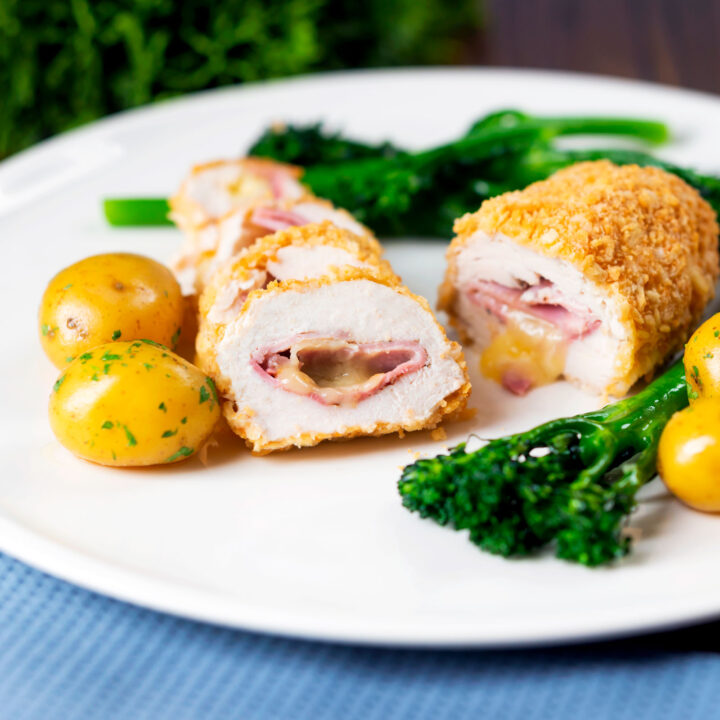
240, 418
640, 234
188, 213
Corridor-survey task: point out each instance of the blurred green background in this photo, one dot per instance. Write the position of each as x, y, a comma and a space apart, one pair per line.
66, 62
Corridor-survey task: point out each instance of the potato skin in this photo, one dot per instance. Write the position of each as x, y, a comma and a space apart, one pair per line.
133, 403
702, 360
689, 455
115, 296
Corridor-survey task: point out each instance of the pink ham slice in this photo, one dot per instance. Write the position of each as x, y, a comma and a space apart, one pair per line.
542, 301
273, 219
516, 382
334, 371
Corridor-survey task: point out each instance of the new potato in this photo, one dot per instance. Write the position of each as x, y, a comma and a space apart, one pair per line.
689, 455
702, 360
115, 296
689, 450
133, 403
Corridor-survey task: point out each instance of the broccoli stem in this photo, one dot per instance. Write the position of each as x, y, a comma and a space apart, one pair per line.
482, 142
651, 131
311, 145
129, 212
648, 130
570, 482
634, 423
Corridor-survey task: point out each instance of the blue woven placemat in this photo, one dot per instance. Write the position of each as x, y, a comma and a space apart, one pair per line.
67, 653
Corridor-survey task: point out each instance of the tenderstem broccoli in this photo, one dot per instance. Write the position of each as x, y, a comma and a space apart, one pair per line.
398, 192
570, 483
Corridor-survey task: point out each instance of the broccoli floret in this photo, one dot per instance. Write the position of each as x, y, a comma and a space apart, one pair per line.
312, 145
571, 482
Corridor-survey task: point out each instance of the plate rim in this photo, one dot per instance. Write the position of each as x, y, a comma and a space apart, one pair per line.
145, 591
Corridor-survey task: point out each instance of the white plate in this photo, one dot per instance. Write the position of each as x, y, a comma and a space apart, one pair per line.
312, 543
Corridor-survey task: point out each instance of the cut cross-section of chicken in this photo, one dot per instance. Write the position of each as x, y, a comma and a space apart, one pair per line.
596, 274
206, 249
350, 353
298, 253
214, 189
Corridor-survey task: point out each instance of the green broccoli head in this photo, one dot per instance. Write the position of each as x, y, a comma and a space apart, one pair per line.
571, 482
505, 494
309, 145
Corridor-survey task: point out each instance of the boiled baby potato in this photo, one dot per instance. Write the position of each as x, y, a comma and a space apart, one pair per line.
702, 360
115, 296
133, 403
689, 455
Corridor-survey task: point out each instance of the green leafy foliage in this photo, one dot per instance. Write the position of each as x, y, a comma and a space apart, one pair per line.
571, 482
65, 62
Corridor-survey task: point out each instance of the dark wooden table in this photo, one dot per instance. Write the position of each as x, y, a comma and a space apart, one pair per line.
670, 41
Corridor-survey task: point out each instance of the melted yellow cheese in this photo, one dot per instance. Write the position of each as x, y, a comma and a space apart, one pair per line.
338, 373
335, 380
527, 347
250, 187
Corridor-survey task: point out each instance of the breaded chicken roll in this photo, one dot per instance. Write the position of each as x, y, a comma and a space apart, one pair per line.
596, 274
298, 253
206, 249
213, 189
350, 353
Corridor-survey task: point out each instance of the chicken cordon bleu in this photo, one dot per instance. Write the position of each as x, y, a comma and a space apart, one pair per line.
595, 274
334, 347
206, 249
213, 189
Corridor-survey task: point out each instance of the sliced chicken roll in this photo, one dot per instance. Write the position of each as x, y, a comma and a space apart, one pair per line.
351, 353
596, 274
209, 247
214, 189
213, 202
298, 253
